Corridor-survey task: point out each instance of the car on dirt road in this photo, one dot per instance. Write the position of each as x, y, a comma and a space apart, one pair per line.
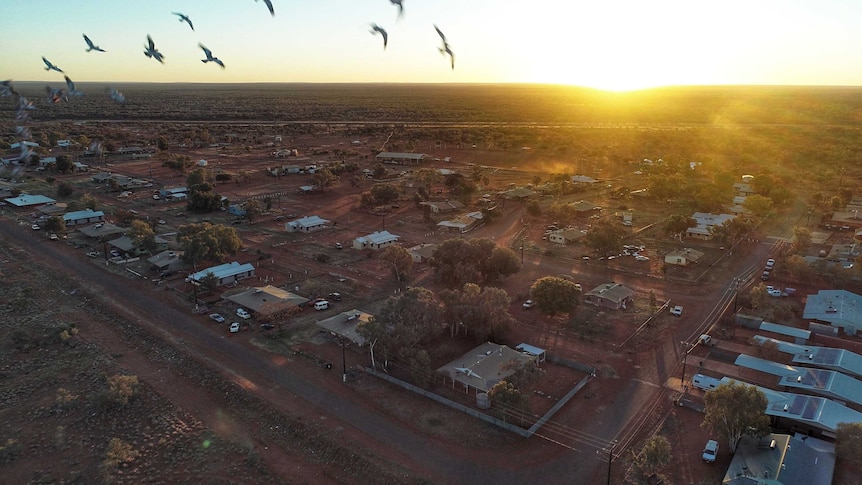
710, 451
335, 296
35, 227
528, 304
234, 327
676, 311
243, 313
216, 317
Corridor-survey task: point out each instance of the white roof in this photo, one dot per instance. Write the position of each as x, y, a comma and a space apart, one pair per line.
380, 237
308, 221
223, 270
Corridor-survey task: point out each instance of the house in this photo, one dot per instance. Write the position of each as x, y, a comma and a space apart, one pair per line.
705, 224
174, 192
375, 240
443, 207
78, 218
683, 257
566, 236
519, 193
584, 207
225, 273
306, 224
345, 323
484, 366
27, 200
838, 308
464, 223
744, 188
267, 300
844, 253
781, 459
101, 230
610, 295
80, 167
53, 209
583, 179
422, 253
847, 219
126, 245
236, 210
400, 158
167, 261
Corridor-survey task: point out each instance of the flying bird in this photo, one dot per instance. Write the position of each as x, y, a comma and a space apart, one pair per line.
400, 4
269, 6
55, 95
24, 105
117, 96
210, 57
72, 91
184, 18
91, 46
445, 49
49, 66
151, 50
6, 88
23, 132
376, 29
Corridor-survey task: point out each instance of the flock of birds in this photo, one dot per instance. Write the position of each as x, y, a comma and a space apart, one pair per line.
56, 95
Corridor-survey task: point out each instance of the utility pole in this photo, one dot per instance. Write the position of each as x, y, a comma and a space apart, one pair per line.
611, 459
343, 361
688, 348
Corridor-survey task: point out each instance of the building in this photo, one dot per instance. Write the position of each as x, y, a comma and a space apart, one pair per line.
344, 325
101, 230
464, 223
376, 240
422, 253
481, 368
566, 236
306, 224
838, 308
167, 261
443, 207
781, 459
27, 200
683, 257
840, 360
127, 246
583, 179
174, 193
518, 193
610, 295
78, 218
225, 273
267, 300
400, 158
743, 188
705, 223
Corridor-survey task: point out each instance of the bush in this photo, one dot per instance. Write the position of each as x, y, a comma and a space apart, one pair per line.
9, 451
121, 389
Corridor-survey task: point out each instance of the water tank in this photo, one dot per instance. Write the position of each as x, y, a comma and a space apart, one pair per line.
483, 401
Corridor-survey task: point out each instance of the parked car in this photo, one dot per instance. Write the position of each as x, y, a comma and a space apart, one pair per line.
338, 246
528, 304
764, 276
216, 317
35, 227
267, 326
676, 311
93, 254
770, 263
53, 237
243, 313
234, 327
335, 296
710, 451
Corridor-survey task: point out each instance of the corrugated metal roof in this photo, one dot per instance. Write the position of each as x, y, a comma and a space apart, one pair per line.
223, 270
766, 366
836, 359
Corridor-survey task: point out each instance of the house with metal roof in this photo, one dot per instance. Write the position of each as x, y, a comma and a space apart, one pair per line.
167, 260
400, 158
127, 245
518, 193
88, 216
376, 240
438, 207
683, 257
766, 366
422, 252
306, 224
781, 459
567, 235
827, 383
812, 412
345, 324
224, 273
583, 179
266, 300
839, 308
26, 200
800, 335
782, 346
463, 223
840, 360
610, 295
484, 366
101, 230
705, 223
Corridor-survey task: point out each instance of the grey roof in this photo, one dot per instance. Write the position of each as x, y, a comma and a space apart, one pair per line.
166, 258
819, 412
105, 229
379, 237
826, 383
266, 300
345, 323
222, 270
785, 330
794, 460
84, 214
423, 250
840, 308
485, 365
766, 366
786, 347
404, 156
308, 221
583, 179
611, 291
836, 359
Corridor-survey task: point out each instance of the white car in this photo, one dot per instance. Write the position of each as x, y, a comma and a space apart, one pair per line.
35, 227
528, 304
234, 327
216, 317
776, 293
710, 451
638, 257
242, 313
676, 311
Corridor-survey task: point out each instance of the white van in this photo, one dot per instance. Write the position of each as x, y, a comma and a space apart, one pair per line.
705, 383
321, 305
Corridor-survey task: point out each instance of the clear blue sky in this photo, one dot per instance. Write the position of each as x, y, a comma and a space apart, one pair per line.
612, 44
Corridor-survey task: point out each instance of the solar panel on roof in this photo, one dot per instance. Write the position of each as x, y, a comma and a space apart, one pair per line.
797, 404
827, 356
811, 408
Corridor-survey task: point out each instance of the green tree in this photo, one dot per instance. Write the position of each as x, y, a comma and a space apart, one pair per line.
195, 178
734, 410
655, 455
505, 396
324, 178
223, 177
65, 189
208, 282
207, 242
801, 239
142, 235
202, 198
383, 194
399, 260
481, 313
55, 224
848, 443
420, 368
677, 225
759, 205
605, 237
555, 295
798, 268
63, 164
533, 208
89, 201
253, 209
459, 261
118, 453
121, 389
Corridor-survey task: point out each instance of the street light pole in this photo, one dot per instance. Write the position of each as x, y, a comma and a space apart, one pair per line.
343, 363
522, 254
